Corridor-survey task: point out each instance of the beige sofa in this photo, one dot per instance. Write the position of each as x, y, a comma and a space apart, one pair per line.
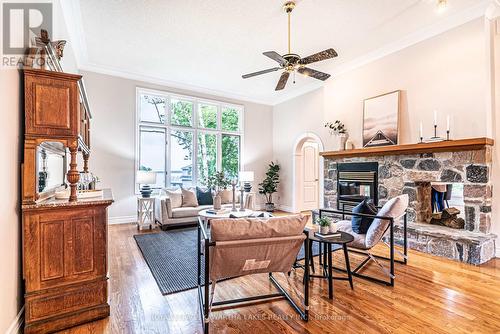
166, 216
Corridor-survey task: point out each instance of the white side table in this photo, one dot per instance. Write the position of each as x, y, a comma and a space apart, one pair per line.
145, 212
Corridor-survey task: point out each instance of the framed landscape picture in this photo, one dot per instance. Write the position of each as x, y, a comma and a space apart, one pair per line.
381, 119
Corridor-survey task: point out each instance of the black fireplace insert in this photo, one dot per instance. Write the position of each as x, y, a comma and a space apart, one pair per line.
355, 182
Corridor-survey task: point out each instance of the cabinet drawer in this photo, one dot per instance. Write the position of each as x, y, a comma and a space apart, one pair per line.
65, 300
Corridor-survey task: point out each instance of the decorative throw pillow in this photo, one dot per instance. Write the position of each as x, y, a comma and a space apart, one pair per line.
360, 225
189, 198
204, 196
226, 196
175, 198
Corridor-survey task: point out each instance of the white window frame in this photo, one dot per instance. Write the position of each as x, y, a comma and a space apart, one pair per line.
194, 128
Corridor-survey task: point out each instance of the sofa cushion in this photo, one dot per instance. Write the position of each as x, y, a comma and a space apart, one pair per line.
188, 211
361, 224
204, 197
175, 198
189, 198
394, 208
359, 239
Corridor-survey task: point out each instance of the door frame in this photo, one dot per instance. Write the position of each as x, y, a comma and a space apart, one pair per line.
297, 155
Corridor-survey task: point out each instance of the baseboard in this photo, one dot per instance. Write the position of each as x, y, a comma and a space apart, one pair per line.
122, 220
17, 324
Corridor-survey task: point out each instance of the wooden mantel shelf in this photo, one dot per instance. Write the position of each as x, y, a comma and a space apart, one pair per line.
443, 146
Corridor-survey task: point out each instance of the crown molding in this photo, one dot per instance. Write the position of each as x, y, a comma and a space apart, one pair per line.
171, 84
72, 13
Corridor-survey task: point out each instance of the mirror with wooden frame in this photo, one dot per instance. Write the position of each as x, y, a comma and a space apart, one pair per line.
51, 168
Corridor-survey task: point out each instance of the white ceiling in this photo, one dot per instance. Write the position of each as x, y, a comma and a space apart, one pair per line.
207, 45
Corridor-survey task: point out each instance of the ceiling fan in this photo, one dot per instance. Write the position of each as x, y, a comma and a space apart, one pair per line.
292, 62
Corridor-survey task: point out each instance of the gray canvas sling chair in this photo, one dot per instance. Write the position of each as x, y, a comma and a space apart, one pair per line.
239, 247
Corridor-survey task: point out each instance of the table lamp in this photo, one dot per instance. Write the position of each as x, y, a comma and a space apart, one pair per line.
145, 178
246, 178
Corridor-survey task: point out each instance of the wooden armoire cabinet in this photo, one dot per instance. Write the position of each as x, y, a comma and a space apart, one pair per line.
64, 240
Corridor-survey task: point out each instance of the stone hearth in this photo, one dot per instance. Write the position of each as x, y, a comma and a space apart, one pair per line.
410, 174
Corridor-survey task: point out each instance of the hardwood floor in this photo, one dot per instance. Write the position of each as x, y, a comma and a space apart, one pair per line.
431, 295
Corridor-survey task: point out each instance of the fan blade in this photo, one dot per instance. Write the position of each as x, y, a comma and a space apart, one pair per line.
323, 55
282, 82
275, 56
313, 73
249, 75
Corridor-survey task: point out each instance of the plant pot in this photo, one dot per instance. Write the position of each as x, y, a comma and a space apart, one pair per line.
339, 140
217, 202
333, 228
270, 207
324, 229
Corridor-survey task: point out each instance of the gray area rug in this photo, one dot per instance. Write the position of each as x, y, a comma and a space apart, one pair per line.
171, 257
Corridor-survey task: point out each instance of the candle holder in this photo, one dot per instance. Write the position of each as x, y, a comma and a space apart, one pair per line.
447, 134
435, 130
421, 140
233, 209
242, 192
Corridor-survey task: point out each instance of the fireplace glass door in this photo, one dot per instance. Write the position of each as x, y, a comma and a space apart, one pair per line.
355, 191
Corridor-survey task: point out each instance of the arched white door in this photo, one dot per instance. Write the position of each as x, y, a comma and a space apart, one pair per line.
310, 176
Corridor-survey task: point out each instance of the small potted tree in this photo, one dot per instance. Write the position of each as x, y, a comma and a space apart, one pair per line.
217, 183
270, 185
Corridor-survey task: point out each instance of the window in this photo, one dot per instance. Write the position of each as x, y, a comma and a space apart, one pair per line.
152, 157
185, 139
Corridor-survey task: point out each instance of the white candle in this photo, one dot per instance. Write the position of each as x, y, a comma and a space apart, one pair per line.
421, 130
435, 117
448, 123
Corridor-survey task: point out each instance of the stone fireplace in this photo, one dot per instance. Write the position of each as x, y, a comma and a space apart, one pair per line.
414, 172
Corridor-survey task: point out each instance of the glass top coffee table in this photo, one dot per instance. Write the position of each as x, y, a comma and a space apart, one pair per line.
206, 214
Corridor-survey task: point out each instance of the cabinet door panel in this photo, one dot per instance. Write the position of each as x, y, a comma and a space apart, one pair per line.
52, 107
52, 250
69, 245
82, 233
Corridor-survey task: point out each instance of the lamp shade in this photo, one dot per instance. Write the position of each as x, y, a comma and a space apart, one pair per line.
246, 176
145, 177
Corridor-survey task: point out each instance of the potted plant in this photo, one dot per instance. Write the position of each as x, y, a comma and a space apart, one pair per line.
339, 133
270, 185
217, 183
324, 225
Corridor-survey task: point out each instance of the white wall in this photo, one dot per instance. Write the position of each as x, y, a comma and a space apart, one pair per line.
446, 72
493, 26
291, 119
11, 298
113, 103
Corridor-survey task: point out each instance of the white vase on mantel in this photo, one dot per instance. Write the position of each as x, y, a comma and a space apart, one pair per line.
338, 141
